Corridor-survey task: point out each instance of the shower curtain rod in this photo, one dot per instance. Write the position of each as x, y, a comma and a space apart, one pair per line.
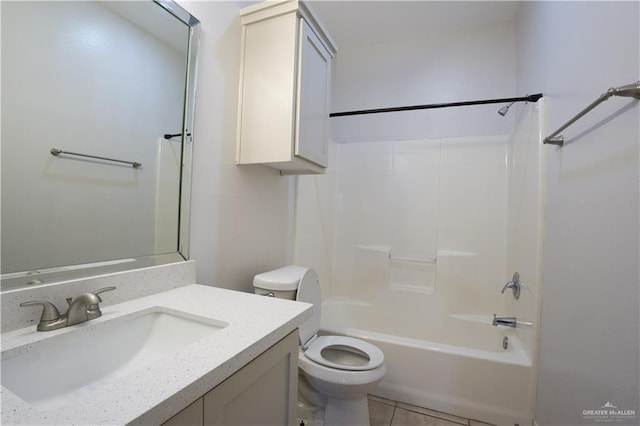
527, 98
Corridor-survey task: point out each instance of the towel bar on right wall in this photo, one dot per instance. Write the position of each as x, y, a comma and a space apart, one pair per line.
628, 90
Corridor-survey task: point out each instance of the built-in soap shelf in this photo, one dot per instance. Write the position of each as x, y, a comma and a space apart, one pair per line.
398, 258
414, 274
381, 249
456, 253
411, 259
416, 259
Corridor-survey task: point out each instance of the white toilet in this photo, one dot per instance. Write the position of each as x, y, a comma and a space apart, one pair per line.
340, 370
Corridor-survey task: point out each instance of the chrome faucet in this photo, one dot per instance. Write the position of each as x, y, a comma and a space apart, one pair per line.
510, 322
83, 308
507, 321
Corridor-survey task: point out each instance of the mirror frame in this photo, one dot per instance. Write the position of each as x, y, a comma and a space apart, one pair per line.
184, 215
78, 271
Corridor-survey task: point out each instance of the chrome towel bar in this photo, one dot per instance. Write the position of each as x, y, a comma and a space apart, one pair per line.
56, 152
628, 90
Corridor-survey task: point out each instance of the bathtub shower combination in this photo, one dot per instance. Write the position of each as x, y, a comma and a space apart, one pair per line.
457, 367
418, 240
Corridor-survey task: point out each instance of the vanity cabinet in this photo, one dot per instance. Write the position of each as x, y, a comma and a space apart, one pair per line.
285, 76
263, 392
193, 415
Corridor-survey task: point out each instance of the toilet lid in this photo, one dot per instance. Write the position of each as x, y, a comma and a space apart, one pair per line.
309, 292
344, 353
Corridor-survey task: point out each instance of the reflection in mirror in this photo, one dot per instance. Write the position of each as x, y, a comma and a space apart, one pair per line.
99, 81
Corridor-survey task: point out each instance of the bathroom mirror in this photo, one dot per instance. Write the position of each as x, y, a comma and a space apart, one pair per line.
97, 112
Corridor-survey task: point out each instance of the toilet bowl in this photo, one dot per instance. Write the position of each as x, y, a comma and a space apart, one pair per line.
342, 370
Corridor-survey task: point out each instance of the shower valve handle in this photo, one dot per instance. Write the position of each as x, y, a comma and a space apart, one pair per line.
514, 285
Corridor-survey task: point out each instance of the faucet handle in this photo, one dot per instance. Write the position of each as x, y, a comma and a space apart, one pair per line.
102, 290
514, 285
95, 293
93, 310
49, 311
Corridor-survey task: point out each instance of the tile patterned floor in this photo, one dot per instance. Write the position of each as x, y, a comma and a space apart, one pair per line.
385, 412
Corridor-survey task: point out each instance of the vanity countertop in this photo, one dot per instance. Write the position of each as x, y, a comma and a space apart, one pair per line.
154, 394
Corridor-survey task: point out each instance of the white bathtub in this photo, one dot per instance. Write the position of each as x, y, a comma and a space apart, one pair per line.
452, 362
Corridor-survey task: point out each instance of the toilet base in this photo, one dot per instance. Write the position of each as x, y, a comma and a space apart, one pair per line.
311, 403
347, 412
337, 397
329, 411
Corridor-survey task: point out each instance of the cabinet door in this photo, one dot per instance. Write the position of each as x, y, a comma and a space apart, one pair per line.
267, 91
264, 392
190, 416
314, 71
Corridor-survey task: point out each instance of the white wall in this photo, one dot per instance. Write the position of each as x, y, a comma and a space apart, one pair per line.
77, 87
458, 66
572, 52
241, 216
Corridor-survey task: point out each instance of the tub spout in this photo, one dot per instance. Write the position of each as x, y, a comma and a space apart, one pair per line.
506, 321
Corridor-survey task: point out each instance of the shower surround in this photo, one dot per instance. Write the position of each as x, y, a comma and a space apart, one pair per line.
417, 240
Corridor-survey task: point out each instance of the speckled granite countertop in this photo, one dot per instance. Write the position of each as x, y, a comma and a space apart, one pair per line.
153, 394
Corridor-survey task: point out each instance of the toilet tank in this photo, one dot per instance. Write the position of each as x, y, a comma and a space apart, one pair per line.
282, 282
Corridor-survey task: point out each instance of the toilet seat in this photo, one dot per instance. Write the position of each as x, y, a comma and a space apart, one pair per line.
336, 352
365, 356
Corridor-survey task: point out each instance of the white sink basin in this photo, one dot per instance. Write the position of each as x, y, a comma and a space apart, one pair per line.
75, 362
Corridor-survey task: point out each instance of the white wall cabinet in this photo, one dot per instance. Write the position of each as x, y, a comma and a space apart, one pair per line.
284, 94
263, 392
